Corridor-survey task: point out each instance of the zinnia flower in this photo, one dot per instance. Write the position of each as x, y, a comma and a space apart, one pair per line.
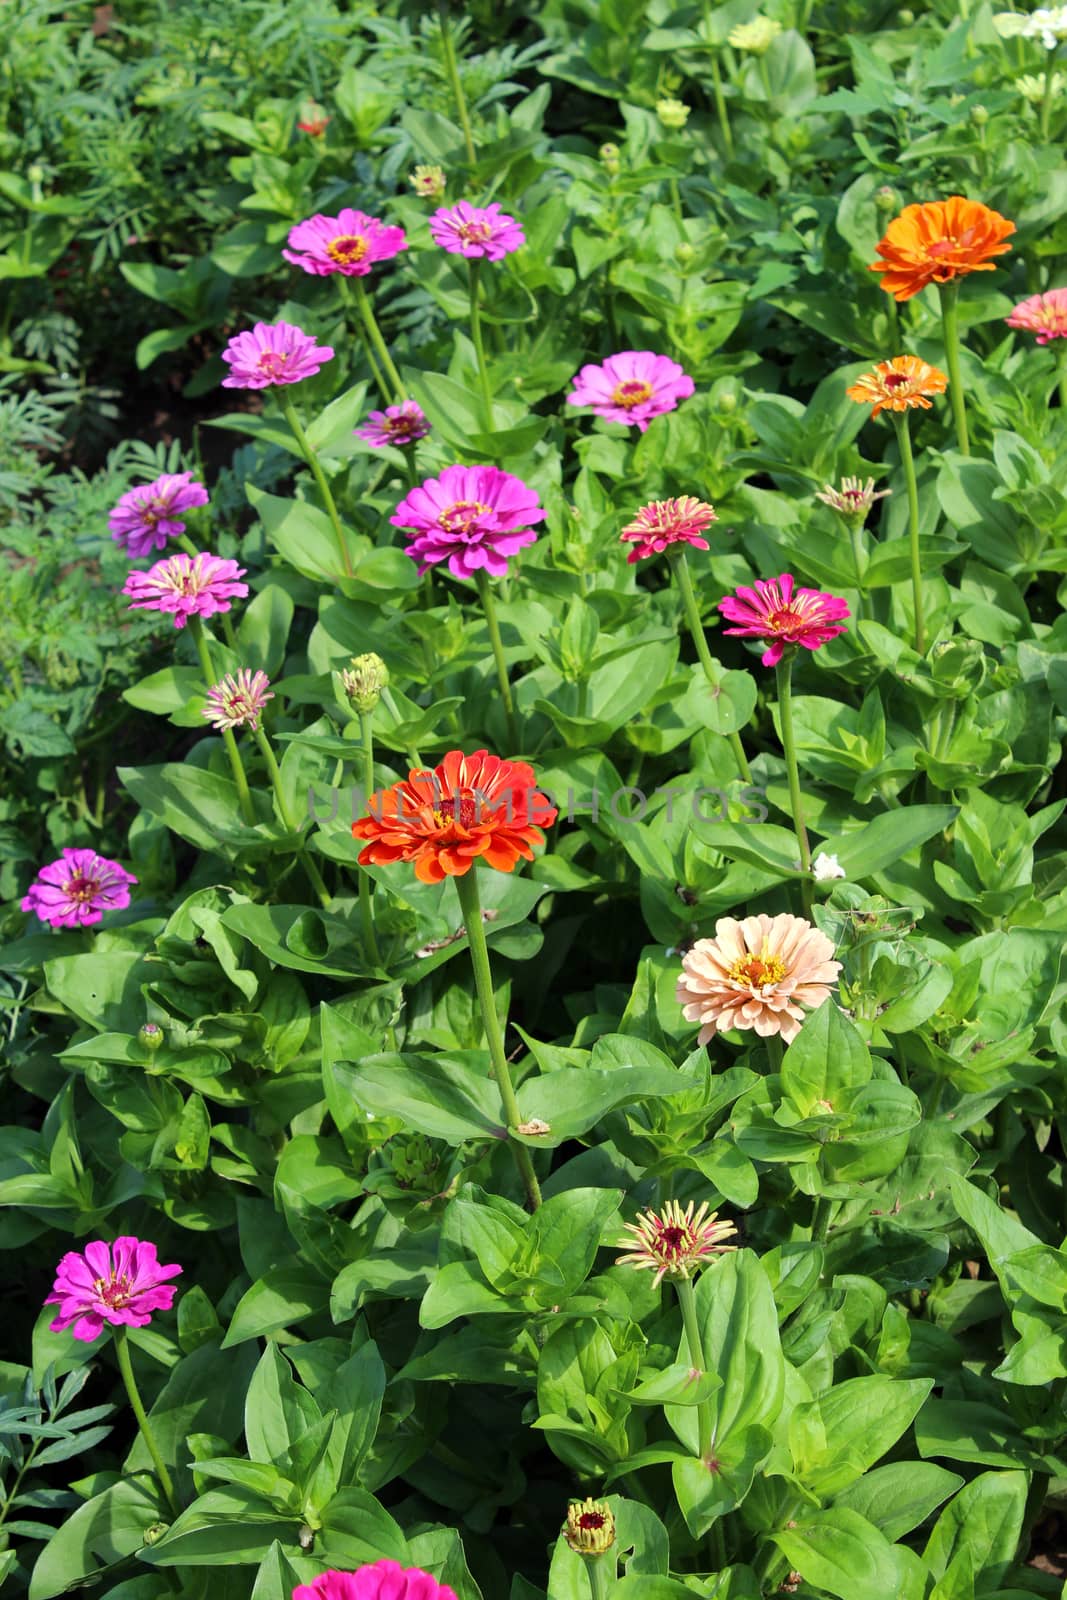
772, 609
853, 499
428, 182
1042, 314
313, 119
590, 1527
939, 241
476, 231
146, 517
1047, 23
237, 702
117, 1284
825, 867
471, 517
186, 586
397, 425
1032, 87
385, 1580
673, 1242
762, 973
756, 36
467, 809
899, 385
76, 890
632, 387
273, 353
350, 243
666, 522
672, 113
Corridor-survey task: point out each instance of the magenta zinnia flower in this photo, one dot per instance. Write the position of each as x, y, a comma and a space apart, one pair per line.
384, 1580
476, 231
632, 387
350, 243
122, 1283
76, 890
772, 609
187, 586
237, 702
471, 517
273, 353
1043, 314
398, 425
146, 517
666, 522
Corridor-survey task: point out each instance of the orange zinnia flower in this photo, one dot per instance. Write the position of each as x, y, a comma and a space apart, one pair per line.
937, 242
899, 385
469, 808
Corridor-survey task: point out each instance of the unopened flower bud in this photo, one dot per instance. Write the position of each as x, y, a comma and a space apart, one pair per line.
684, 254
150, 1036
886, 198
1032, 87
727, 402
979, 116
428, 182
364, 681
609, 156
590, 1527
756, 36
905, 18
672, 113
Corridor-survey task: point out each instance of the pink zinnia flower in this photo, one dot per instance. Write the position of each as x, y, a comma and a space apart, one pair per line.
666, 522
146, 517
675, 1243
313, 119
76, 890
397, 425
350, 243
762, 973
632, 387
273, 353
772, 609
237, 702
1043, 314
122, 1283
385, 1580
187, 586
471, 517
476, 231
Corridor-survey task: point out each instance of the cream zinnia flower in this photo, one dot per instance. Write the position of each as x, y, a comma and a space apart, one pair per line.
763, 973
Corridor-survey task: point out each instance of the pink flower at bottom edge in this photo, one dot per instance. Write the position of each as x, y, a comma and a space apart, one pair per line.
383, 1580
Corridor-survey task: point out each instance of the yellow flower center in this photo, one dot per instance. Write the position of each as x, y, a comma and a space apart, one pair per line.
80, 888
114, 1292
462, 515
347, 249
633, 392
475, 232
760, 971
272, 363
785, 620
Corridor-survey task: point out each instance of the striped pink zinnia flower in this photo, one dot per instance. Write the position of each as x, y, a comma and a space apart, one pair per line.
187, 586
1042, 314
774, 609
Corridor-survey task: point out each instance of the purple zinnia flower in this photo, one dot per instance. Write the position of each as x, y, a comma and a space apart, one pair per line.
76, 890
632, 387
187, 586
273, 353
350, 243
476, 231
399, 425
471, 517
146, 517
122, 1283
383, 1580
236, 702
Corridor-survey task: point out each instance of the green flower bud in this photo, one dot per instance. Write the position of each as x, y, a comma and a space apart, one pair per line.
979, 116
609, 156
886, 198
590, 1527
364, 681
151, 1036
672, 113
905, 18
684, 254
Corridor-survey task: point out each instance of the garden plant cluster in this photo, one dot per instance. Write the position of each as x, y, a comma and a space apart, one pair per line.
533, 876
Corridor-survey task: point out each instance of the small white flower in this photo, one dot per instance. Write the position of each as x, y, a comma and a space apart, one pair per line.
825, 867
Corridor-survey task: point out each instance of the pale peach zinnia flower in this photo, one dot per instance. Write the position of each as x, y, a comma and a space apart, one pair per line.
762, 973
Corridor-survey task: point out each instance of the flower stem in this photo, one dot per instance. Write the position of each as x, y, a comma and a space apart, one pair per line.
696, 628
485, 595
720, 106
784, 676
314, 875
374, 334
122, 1355
599, 1582
366, 883
820, 1218
1045, 109
244, 794
950, 327
470, 904
1063, 378
900, 419
368, 348
774, 1051
479, 347
452, 68
289, 412
687, 1300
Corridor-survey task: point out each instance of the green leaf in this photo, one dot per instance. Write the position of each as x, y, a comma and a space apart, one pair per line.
836, 1438
277, 1409
437, 1095
826, 1059
104, 1531
285, 1295
300, 532
224, 1527
843, 1553
899, 1497
985, 1520
888, 838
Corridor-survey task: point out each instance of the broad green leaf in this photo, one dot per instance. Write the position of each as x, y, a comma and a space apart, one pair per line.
843, 1553
826, 1059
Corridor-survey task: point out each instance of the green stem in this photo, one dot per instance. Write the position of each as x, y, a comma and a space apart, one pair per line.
244, 795
712, 672
720, 107
687, 1300
900, 419
479, 348
471, 907
1063, 378
950, 327
314, 875
718, 1546
374, 334
289, 412
784, 676
858, 535
1045, 109
368, 348
774, 1052
122, 1355
366, 883
600, 1584
820, 1218
761, 61
452, 68
485, 595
